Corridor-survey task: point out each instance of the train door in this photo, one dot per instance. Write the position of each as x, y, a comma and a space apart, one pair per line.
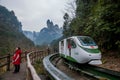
62, 47
71, 47
65, 48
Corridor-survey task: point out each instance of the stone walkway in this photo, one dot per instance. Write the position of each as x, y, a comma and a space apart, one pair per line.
18, 76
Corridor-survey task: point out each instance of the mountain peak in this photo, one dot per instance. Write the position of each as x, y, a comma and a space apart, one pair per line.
49, 24
46, 35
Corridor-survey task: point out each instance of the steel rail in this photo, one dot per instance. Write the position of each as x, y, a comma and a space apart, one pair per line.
95, 71
52, 70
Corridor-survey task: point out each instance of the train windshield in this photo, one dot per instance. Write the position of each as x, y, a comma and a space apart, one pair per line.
86, 41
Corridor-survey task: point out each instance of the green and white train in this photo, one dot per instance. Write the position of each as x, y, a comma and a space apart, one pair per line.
80, 49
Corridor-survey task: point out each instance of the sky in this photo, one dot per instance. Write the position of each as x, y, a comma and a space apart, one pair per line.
34, 13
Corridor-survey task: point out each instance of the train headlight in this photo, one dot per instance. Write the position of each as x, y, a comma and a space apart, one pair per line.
89, 54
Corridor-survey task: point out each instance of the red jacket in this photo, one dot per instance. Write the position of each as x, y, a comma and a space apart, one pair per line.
17, 57
69, 46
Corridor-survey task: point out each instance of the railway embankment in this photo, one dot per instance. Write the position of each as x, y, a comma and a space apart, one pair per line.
111, 60
69, 71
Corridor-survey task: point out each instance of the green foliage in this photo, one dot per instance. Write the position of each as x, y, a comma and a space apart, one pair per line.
99, 19
55, 43
66, 24
39, 68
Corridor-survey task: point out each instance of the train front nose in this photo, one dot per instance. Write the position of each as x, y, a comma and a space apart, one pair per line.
95, 59
95, 62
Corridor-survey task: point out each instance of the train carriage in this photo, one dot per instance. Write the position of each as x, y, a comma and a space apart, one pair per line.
80, 49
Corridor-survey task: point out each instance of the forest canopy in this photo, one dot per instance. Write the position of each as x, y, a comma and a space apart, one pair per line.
99, 19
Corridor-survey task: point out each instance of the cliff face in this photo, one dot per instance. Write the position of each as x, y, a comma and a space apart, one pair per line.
46, 35
11, 34
8, 18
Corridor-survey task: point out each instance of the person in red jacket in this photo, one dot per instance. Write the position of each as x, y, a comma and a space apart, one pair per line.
17, 59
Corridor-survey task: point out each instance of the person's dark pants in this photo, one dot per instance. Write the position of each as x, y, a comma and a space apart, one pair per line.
70, 52
17, 68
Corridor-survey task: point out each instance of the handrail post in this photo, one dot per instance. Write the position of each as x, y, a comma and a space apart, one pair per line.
25, 55
48, 51
8, 64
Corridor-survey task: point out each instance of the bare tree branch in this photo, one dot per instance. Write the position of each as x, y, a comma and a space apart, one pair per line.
71, 8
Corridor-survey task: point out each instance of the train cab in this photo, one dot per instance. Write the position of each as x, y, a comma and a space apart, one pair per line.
80, 49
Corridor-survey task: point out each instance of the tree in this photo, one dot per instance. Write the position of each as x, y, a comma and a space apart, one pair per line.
66, 25
99, 19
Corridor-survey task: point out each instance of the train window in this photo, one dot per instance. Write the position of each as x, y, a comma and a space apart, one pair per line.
86, 41
73, 45
62, 46
68, 43
62, 43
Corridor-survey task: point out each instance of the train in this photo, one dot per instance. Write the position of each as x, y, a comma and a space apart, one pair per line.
80, 49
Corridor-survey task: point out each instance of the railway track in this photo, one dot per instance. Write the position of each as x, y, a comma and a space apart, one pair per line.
52, 70
95, 72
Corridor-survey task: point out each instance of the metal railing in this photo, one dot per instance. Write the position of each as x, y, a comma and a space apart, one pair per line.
52, 70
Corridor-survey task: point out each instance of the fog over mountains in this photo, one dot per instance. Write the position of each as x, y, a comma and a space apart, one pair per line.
11, 33
46, 35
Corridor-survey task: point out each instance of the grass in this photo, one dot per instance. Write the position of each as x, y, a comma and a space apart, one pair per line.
39, 68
